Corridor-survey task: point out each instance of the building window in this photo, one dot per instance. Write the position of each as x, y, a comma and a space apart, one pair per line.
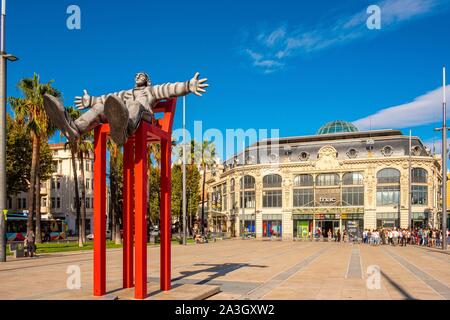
52, 183
352, 153
352, 178
249, 192
387, 151
87, 184
419, 195
419, 188
44, 202
53, 203
88, 203
58, 183
419, 175
327, 179
353, 196
232, 185
224, 197
87, 165
272, 181
304, 156
9, 203
272, 199
388, 175
388, 195
303, 180
272, 193
304, 197
58, 202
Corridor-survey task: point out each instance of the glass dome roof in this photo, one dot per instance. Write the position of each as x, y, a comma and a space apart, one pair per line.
336, 127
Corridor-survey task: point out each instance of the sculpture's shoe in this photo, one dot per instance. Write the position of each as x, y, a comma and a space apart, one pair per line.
60, 118
117, 114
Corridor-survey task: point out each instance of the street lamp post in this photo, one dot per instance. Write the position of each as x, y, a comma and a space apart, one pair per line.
444, 165
184, 171
12, 58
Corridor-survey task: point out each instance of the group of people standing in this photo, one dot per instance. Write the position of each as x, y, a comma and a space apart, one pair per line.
402, 237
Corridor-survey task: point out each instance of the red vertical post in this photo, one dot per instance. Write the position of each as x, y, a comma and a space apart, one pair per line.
140, 169
128, 209
165, 216
100, 210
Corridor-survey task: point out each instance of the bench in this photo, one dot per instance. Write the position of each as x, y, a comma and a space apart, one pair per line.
17, 248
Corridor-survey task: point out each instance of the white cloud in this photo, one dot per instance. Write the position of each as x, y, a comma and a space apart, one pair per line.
423, 110
280, 43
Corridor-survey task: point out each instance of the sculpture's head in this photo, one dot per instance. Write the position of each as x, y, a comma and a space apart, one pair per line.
142, 79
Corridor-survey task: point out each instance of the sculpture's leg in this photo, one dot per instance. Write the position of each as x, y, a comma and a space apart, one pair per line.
140, 170
91, 119
128, 208
99, 212
165, 219
137, 113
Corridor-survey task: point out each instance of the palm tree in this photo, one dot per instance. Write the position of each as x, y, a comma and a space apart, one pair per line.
30, 109
74, 113
207, 161
115, 155
85, 146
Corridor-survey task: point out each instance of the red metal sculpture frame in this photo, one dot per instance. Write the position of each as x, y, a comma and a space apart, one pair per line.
135, 202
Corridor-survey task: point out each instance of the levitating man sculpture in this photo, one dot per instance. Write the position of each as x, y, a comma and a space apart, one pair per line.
123, 110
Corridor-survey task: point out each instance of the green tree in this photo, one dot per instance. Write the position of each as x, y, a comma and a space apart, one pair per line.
30, 109
73, 145
18, 155
116, 186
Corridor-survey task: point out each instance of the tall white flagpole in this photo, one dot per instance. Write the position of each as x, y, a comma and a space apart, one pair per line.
184, 172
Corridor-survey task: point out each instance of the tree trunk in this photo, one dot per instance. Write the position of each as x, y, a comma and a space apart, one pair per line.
77, 194
38, 208
83, 200
31, 191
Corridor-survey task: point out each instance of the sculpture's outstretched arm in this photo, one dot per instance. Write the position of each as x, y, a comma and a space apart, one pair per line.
177, 89
87, 101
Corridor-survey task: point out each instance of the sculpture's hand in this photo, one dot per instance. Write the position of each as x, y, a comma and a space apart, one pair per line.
196, 86
83, 102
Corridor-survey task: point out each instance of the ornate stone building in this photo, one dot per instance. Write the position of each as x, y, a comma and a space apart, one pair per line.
340, 178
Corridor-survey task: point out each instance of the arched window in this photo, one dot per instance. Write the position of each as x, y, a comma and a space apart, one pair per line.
388, 175
327, 179
272, 193
303, 191
249, 182
419, 175
272, 181
388, 188
248, 195
303, 180
352, 189
352, 178
419, 187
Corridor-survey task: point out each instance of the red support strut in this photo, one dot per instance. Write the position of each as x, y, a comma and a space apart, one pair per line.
135, 199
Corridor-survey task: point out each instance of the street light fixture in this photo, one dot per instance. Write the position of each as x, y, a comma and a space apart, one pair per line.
10, 57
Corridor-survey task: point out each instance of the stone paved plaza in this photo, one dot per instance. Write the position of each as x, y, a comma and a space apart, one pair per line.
251, 269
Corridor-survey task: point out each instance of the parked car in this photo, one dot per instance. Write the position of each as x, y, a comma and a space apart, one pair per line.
91, 235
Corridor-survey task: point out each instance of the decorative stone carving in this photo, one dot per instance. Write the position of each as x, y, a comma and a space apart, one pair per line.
327, 158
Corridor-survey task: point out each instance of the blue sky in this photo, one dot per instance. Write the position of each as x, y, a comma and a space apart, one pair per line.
287, 65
